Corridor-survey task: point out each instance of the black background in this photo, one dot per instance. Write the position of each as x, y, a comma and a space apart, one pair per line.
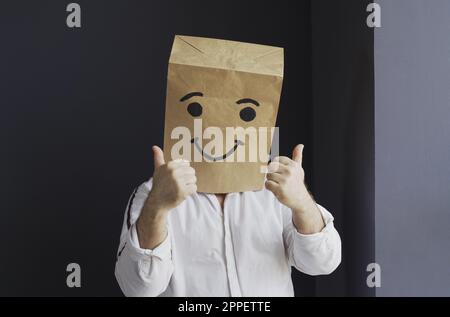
81, 108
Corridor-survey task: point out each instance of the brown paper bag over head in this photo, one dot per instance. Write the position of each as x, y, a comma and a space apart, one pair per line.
221, 108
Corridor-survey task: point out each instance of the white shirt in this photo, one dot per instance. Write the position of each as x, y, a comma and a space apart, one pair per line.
245, 250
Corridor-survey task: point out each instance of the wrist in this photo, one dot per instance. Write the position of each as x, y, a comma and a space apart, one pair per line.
303, 203
153, 210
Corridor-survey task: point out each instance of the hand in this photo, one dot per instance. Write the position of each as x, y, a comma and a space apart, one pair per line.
286, 179
172, 184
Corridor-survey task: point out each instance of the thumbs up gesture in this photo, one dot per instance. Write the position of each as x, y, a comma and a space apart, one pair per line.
172, 182
286, 178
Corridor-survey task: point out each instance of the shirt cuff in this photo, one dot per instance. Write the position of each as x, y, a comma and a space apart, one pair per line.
163, 251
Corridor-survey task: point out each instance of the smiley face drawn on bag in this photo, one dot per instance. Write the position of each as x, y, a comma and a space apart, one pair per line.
220, 97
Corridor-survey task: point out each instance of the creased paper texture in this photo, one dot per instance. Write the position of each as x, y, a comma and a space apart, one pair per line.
215, 87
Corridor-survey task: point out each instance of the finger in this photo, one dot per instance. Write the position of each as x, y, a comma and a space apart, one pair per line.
158, 157
272, 186
276, 167
273, 167
190, 179
297, 154
191, 189
178, 164
284, 160
275, 177
184, 170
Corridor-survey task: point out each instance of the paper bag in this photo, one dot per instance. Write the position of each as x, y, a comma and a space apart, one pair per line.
221, 107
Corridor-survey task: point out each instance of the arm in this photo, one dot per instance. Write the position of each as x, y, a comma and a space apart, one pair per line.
313, 245
144, 264
151, 225
307, 217
313, 254
139, 271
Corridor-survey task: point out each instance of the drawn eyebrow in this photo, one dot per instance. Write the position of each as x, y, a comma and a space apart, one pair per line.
190, 95
248, 100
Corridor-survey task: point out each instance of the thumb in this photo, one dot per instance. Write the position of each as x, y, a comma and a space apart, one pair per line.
297, 154
158, 156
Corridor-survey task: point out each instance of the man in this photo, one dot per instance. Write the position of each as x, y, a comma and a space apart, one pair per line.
177, 242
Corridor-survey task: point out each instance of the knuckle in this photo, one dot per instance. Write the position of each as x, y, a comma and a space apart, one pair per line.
186, 170
274, 167
180, 182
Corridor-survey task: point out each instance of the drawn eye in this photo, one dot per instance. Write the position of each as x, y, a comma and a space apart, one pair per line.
247, 114
195, 109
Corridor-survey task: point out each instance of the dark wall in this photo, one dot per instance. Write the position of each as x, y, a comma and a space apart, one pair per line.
81, 108
343, 137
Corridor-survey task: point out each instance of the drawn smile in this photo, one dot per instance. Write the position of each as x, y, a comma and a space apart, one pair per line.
209, 157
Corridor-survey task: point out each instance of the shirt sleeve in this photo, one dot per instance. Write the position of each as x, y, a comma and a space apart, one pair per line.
141, 272
314, 254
